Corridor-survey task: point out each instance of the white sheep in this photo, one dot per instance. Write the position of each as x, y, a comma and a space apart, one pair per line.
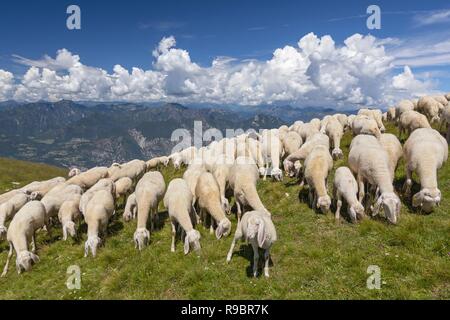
43, 187
149, 192
87, 179
345, 187
306, 130
99, 210
272, 149
318, 165
410, 121
391, 114
221, 172
178, 201
350, 120
156, 162
290, 162
191, 176
370, 163
183, 157
335, 131
441, 99
53, 200
208, 200
133, 169
123, 187
403, 106
425, 152
445, 120
130, 210
363, 124
102, 184
9, 208
292, 141
242, 179
68, 214
256, 228
429, 107
374, 114
21, 232
393, 147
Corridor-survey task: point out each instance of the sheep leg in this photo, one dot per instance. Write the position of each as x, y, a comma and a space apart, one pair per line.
255, 258
408, 182
266, 262
230, 252
33, 242
174, 233
10, 253
338, 206
239, 211
360, 187
211, 225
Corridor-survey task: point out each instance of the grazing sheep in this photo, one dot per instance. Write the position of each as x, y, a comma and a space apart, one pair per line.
191, 176
133, 169
272, 149
221, 172
123, 187
21, 232
374, 114
306, 130
292, 141
370, 163
393, 147
350, 120
68, 214
53, 200
318, 165
303, 152
208, 199
256, 228
87, 179
102, 184
9, 208
425, 152
178, 201
410, 121
156, 162
446, 120
149, 192
43, 187
429, 107
391, 116
130, 210
345, 186
441, 99
403, 106
385, 117
243, 178
343, 119
335, 131
98, 212
363, 124
183, 157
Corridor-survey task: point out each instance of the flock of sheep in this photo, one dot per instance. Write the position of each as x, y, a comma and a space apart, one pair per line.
230, 168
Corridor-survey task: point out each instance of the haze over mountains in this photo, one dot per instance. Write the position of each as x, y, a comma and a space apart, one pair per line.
67, 134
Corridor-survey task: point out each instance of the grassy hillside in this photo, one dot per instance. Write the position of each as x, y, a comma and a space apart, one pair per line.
314, 258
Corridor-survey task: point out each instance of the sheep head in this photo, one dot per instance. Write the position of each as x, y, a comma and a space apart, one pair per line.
92, 243
289, 168
356, 212
337, 153
141, 238
256, 230
69, 229
74, 172
262, 171
223, 228
391, 206
192, 239
277, 174
226, 205
427, 199
25, 260
324, 203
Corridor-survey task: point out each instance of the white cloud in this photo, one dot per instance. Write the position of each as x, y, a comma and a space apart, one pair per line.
433, 17
315, 72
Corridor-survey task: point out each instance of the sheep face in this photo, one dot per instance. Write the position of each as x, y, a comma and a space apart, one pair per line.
69, 229
337, 154
256, 231
3, 232
391, 206
74, 172
192, 240
324, 203
356, 212
92, 243
25, 260
223, 228
427, 199
141, 238
277, 174
262, 171
289, 168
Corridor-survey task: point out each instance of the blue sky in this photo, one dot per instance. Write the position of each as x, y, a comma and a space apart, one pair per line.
126, 32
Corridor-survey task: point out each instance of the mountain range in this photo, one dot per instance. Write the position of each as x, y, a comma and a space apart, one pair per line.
68, 133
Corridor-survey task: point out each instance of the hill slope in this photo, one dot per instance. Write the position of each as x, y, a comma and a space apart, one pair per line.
314, 258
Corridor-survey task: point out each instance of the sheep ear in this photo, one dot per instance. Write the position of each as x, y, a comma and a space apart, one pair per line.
219, 231
186, 245
261, 233
376, 209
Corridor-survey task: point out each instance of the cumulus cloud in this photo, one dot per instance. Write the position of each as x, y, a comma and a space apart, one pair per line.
315, 72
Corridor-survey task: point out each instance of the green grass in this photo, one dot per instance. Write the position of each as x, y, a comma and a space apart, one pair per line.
314, 258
